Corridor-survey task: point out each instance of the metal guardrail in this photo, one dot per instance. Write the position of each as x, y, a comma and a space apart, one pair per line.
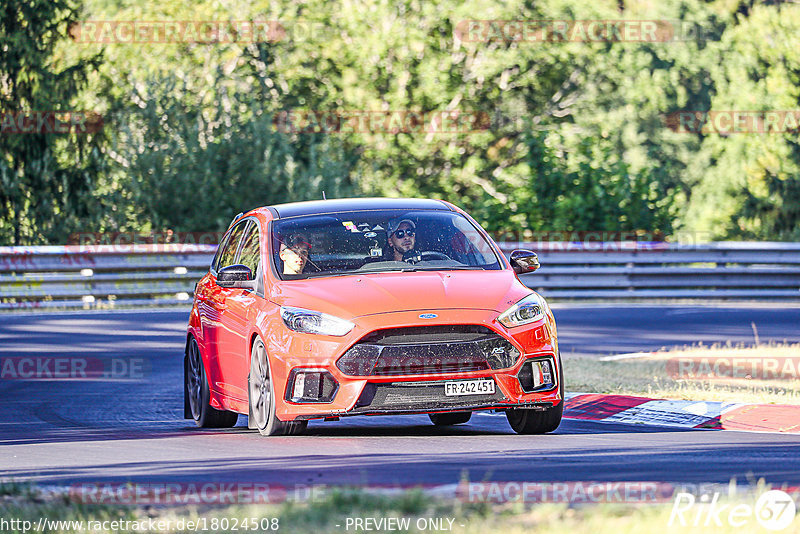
636, 270
108, 276
102, 276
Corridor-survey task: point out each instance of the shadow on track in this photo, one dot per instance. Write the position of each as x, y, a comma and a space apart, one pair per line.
583, 463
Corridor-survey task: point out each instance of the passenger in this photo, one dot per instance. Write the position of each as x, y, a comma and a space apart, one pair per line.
402, 238
294, 253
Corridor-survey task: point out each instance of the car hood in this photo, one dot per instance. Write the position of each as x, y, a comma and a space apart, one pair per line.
367, 294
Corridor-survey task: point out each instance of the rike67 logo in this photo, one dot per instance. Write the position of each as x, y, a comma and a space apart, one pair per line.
774, 510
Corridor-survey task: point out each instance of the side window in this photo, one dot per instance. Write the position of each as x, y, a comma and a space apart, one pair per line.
250, 254
231, 245
218, 254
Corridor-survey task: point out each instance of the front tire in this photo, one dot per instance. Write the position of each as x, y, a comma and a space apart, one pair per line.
527, 421
198, 394
261, 397
449, 419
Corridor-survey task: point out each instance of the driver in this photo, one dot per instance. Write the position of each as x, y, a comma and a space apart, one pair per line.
294, 253
401, 238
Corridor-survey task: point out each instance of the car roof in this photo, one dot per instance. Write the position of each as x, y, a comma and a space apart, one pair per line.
317, 207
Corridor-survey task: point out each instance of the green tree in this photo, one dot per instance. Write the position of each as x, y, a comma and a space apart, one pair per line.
190, 167
577, 138
751, 183
46, 180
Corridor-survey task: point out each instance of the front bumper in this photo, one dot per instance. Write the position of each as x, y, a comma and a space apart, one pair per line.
401, 398
409, 393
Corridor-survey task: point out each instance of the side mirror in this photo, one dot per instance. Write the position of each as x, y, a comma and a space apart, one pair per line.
524, 261
236, 276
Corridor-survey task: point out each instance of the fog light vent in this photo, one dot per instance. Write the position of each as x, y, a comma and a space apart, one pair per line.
542, 376
537, 375
311, 385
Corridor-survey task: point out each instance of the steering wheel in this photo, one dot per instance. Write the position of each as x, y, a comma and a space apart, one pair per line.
413, 256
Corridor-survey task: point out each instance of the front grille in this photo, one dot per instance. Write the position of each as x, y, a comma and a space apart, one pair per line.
428, 350
412, 396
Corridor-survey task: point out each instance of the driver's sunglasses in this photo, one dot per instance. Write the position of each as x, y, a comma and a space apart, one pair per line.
400, 234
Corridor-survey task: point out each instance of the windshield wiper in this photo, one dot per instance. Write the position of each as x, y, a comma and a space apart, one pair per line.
409, 269
414, 268
388, 270
451, 268
360, 271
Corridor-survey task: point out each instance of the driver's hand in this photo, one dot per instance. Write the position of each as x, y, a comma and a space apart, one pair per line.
412, 256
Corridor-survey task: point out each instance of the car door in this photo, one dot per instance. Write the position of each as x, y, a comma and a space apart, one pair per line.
207, 313
213, 299
240, 307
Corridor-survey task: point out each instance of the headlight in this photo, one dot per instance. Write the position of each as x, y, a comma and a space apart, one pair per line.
314, 322
528, 310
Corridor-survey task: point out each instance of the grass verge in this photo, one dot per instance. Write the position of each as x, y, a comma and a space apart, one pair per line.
413, 510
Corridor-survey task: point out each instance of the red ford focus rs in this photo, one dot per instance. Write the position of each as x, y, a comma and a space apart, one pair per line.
333, 308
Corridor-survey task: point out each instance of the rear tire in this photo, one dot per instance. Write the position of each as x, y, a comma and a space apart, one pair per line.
449, 419
527, 421
199, 396
261, 397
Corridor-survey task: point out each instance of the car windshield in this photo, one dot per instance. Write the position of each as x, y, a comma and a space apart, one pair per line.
359, 242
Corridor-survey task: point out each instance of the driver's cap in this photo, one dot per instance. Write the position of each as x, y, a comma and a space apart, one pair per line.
395, 224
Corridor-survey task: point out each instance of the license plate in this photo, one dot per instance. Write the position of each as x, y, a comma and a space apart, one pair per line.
469, 387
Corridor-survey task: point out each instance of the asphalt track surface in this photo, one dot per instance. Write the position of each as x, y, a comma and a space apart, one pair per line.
65, 432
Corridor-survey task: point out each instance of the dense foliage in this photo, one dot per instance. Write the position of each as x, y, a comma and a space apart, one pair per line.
46, 181
573, 135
